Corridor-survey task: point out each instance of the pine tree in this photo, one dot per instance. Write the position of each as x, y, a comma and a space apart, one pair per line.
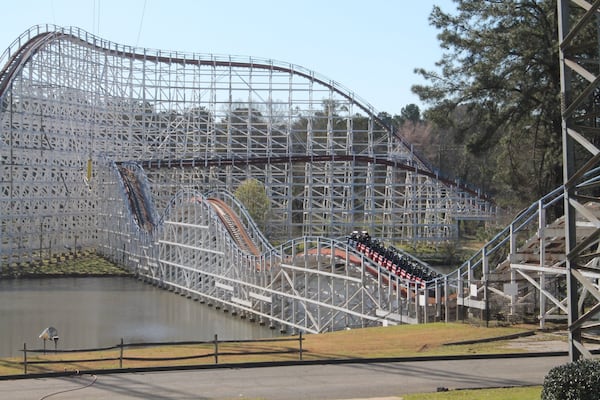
497, 91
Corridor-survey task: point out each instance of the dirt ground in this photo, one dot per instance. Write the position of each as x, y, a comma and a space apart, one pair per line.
546, 341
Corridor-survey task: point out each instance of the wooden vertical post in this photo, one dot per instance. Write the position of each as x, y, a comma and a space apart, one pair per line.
121, 354
216, 349
300, 344
25, 358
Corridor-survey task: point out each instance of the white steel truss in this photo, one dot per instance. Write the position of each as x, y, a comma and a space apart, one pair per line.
580, 81
71, 103
309, 284
114, 149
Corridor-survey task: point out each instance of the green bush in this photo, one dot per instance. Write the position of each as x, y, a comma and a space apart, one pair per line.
578, 380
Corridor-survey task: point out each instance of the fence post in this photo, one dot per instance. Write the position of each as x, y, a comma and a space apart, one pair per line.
216, 349
25, 358
300, 344
121, 354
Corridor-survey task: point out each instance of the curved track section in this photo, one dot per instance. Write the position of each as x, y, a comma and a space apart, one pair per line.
95, 137
69, 100
309, 284
234, 226
138, 196
202, 248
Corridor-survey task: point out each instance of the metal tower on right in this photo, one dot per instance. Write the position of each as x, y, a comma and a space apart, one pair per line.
579, 50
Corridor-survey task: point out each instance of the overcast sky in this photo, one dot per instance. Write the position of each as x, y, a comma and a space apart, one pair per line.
370, 47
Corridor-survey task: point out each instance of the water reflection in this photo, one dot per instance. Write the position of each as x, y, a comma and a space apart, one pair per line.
97, 312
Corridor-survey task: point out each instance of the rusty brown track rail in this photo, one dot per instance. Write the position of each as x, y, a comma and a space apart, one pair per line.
234, 225
292, 159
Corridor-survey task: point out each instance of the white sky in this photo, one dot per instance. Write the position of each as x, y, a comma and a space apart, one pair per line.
370, 47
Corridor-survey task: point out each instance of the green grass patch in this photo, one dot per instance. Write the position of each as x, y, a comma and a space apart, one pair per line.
409, 340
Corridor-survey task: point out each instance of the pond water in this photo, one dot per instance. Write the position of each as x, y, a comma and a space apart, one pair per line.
98, 312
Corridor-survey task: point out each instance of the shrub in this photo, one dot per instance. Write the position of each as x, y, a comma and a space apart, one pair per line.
578, 380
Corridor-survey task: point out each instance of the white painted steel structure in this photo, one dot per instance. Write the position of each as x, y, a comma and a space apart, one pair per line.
71, 100
98, 141
126, 151
578, 25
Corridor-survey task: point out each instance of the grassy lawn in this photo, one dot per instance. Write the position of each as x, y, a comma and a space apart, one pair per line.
519, 393
394, 341
406, 340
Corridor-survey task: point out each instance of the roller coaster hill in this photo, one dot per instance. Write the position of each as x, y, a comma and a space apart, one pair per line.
134, 153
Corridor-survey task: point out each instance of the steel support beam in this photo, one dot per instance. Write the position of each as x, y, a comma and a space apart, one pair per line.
580, 79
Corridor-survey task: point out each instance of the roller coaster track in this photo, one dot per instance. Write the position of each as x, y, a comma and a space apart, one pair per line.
68, 96
303, 159
142, 211
378, 178
18, 59
127, 151
27, 49
140, 207
234, 226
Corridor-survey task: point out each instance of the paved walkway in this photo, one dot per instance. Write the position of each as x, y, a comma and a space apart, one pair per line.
302, 382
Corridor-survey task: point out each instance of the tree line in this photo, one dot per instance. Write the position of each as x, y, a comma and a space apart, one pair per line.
493, 116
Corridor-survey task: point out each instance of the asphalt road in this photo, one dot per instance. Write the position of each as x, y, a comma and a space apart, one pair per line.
304, 382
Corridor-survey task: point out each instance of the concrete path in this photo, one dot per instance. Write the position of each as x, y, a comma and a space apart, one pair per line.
304, 382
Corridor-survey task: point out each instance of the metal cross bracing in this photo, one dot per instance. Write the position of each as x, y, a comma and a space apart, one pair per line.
331, 195
98, 139
521, 273
70, 98
309, 284
517, 275
578, 24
